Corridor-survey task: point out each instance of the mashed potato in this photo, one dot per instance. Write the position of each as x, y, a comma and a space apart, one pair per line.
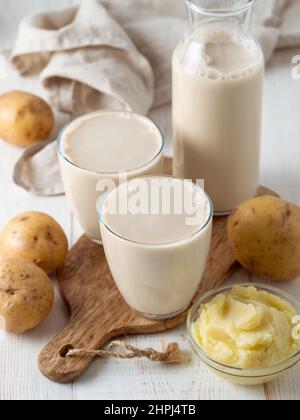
246, 328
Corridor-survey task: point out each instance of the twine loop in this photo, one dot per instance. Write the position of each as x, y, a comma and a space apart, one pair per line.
172, 353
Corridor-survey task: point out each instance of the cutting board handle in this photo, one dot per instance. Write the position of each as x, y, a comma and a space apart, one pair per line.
53, 362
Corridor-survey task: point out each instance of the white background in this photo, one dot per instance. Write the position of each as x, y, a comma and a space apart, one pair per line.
111, 379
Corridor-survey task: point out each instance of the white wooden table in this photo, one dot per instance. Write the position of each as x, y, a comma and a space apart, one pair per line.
141, 379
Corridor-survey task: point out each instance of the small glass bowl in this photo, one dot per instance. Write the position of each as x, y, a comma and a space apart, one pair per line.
239, 376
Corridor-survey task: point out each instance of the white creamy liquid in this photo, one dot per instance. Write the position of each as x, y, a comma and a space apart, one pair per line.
111, 142
100, 146
217, 113
157, 260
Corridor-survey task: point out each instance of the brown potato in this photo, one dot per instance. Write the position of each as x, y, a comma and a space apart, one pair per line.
36, 237
265, 235
24, 118
26, 295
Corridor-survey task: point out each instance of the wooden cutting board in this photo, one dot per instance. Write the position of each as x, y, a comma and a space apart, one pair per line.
98, 312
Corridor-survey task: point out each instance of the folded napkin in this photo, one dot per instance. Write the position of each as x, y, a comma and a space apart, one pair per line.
107, 54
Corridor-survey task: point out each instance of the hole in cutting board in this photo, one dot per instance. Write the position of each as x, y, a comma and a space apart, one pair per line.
65, 350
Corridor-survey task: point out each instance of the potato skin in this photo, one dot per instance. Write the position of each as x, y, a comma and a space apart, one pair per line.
36, 237
265, 236
26, 295
24, 118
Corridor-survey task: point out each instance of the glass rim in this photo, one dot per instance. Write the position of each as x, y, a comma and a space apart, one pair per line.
215, 12
229, 369
101, 203
116, 112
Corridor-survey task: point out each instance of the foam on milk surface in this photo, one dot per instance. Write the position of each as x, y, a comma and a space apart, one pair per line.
219, 54
111, 142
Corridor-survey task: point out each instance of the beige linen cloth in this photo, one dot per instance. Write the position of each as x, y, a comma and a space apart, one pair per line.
116, 54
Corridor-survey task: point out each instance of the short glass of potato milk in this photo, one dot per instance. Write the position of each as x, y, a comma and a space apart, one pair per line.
97, 151
156, 233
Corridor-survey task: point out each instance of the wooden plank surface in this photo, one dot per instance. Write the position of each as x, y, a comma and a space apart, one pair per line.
113, 379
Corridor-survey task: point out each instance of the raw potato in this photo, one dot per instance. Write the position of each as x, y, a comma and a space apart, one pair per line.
26, 295
265, 236
24, 118
36, 237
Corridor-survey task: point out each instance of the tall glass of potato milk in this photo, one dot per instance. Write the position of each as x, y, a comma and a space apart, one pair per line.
218, 72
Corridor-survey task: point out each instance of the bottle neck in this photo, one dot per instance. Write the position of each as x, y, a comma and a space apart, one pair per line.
239, 17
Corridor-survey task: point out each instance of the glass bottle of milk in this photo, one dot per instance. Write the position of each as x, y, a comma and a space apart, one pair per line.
218, 72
